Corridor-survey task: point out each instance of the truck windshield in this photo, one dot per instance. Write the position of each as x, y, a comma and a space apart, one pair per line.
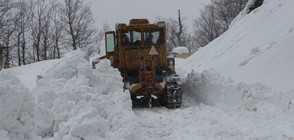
131, 38
153, 37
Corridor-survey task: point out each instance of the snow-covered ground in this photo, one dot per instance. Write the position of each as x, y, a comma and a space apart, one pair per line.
240, 86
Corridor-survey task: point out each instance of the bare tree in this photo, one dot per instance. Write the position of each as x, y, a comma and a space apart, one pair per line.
171, 26
46, 33
22, 28
5, 7
8, 32
100, 38
180, 30
101, 32
215, 19
227, 10
177, 33
34, 30
5, 11
9, 20
171, 33
38, 15
79, 24
57, 30
206, 26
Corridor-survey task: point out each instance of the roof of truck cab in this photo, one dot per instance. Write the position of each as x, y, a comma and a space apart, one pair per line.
138, 26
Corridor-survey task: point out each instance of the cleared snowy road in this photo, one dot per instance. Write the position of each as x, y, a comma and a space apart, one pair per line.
204, 122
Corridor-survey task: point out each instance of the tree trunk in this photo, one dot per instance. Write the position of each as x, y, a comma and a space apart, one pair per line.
6, 63
45, 49
74, 44
180, 30
56, 49
18, 49
1, 59
23, 47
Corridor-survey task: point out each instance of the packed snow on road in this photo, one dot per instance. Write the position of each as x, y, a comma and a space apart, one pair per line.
240, 86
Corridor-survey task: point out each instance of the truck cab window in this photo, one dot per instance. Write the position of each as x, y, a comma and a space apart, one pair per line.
153, 37
131, 38
110, 42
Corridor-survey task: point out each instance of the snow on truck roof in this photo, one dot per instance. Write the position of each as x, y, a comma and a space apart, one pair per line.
180, 50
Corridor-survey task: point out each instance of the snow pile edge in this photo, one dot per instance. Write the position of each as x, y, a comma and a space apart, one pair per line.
16, 109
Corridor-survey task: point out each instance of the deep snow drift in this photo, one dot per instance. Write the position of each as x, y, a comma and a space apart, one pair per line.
72, 102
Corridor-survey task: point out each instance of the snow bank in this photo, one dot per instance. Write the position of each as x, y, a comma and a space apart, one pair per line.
257, 48
75, 102
210, 88
16, 109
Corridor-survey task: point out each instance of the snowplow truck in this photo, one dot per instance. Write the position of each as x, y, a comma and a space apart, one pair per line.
139, 52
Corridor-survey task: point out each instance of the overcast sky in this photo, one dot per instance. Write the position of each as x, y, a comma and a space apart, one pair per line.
120, 11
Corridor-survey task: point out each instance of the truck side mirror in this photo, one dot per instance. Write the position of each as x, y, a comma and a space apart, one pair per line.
110, 41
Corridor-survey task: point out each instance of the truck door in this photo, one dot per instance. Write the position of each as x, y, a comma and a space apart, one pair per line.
110, 46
